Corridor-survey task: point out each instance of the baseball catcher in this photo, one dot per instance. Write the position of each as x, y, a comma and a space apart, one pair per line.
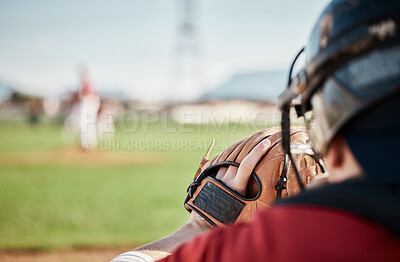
348, 94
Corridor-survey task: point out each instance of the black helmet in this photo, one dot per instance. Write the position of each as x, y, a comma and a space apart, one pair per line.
352, 66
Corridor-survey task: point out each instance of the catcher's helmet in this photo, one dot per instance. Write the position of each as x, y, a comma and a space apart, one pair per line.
352, 72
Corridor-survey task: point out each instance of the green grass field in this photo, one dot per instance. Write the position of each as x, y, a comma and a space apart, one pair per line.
128, 192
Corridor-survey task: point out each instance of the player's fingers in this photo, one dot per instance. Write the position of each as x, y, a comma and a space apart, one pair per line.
221, 173
248, 164
229, 175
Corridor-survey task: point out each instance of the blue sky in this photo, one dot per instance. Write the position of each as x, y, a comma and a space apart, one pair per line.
128, 44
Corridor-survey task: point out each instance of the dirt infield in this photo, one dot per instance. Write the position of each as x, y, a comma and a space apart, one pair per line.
70, 255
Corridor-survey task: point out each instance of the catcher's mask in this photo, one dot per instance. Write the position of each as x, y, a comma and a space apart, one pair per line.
352, 65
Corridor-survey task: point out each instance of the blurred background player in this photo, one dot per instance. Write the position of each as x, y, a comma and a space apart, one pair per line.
84, 111
89, 107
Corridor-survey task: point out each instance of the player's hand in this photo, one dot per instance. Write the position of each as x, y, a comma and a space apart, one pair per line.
237, 177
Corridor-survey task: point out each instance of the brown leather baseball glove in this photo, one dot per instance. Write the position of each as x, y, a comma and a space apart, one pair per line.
270, 179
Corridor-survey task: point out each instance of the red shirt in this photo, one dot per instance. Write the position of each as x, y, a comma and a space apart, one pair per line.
294, 233
87, 88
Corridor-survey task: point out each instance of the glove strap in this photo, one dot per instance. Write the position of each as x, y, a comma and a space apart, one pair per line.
215, 204
213, 200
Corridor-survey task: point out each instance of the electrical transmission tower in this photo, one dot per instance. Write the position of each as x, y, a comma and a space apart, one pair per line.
187, 70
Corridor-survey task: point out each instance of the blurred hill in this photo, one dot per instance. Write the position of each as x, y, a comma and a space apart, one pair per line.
252, 85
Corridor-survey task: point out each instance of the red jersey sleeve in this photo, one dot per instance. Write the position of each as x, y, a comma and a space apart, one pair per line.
300, 233
239, 242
